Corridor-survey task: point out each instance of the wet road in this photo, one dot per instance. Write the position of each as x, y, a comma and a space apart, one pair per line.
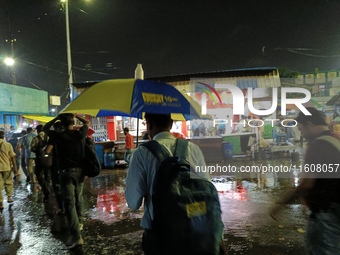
32, 227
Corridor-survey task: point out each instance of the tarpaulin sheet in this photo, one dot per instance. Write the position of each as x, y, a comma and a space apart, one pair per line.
21, 100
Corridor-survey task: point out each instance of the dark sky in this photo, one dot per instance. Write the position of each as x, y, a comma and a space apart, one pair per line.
109, 37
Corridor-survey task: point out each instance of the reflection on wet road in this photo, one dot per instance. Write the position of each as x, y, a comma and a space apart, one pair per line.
32, 227
110, 204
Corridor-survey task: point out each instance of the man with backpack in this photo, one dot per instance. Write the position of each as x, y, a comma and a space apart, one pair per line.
182, 213
319, 188
55, 168
42, 173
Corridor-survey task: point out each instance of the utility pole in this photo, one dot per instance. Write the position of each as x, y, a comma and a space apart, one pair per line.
14, 78
68, 45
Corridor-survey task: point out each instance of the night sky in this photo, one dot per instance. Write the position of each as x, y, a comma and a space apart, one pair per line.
109, 38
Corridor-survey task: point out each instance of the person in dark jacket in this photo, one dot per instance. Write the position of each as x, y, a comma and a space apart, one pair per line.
55, 168
69, 147
42, 172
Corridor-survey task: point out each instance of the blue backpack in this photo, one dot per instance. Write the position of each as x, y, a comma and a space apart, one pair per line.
187, 212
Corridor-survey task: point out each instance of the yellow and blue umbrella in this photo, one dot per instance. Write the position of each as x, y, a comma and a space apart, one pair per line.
130, 97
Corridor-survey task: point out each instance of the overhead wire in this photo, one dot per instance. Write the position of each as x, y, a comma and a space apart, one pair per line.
302, 51
48, 68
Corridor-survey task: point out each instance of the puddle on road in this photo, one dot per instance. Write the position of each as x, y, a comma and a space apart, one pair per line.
243, 199
104, 196
110, 226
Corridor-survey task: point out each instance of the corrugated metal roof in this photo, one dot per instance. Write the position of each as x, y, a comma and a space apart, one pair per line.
256, 71
335, 100
241, 72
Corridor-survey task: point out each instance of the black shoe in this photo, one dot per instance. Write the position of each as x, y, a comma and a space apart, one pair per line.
76, 244
45, 199
60, 212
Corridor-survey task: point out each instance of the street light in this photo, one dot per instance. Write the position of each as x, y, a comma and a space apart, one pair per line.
9, 61
68, 44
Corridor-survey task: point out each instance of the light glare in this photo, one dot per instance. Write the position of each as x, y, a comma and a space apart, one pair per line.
9, 61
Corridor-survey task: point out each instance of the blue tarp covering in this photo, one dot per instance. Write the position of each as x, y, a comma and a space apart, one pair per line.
10, 120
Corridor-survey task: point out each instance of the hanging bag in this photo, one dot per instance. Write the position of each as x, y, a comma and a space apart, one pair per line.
91, 165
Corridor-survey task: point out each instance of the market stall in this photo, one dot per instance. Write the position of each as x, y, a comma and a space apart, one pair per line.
239, 141
112, 152
211, 147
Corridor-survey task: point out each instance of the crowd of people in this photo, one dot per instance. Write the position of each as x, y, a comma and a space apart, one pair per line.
319, 190
64, 144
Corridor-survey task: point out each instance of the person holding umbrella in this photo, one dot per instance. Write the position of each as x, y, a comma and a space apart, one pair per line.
69, 145
142, 172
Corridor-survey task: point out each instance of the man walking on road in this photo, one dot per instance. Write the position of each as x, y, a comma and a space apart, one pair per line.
55, 168
29, 155
42, 173
142, 172
320, 187
70, 150
20, 151
7, 157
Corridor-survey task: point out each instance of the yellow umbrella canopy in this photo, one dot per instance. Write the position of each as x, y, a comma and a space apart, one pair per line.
130, 97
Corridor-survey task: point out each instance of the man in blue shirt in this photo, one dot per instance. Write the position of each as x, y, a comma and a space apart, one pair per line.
143, 167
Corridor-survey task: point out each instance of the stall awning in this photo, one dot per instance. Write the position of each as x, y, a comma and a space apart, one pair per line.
39, 118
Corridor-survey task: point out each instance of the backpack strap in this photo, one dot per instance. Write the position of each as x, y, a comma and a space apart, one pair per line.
158, 150
181, 149
40, 140
332, 140
83, 144
45, 138
161, 153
